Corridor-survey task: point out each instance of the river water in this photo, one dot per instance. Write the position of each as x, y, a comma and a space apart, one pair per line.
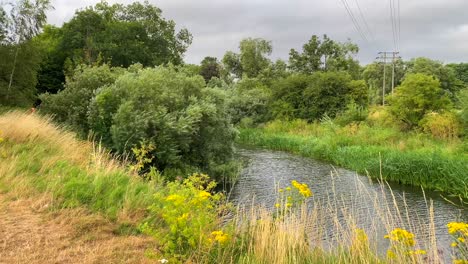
344, 197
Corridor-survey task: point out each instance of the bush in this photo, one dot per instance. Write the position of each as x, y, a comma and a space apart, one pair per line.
186, 122
444, 126
70, 106
353, 113
185, 218
380, 116
310, 97
418, 95
249, 99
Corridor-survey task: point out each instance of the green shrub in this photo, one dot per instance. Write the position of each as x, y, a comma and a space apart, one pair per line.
187, 122
444, 126
70, 106
353, 113
184, 218
249, 99
418, 95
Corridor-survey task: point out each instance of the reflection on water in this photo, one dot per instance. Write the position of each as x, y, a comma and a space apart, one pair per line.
343, 197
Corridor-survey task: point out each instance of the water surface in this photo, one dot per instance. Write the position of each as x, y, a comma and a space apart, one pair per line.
345, 196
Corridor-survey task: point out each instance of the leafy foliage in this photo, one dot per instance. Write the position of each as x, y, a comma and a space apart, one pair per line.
186, 121
324, 55
418, 95
446, 75
188, 214
70, 106
311, 96
251, 60
20, 55
209, 68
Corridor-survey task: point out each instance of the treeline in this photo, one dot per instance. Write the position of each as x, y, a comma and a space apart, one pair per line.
117, 72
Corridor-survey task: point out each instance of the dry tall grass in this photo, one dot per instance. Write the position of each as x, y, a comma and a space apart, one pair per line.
22, 127
327, 232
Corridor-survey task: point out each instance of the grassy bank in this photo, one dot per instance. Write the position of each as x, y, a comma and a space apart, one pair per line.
38, 157
406, 158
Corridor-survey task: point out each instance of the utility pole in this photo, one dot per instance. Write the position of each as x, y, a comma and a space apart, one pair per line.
383, 57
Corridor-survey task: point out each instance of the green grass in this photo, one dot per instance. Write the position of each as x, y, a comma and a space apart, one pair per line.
412, 159
37, 157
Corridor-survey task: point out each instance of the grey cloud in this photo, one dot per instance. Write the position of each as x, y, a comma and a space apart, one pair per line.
433, 28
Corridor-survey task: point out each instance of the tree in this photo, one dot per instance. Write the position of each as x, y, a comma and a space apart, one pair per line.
25, 20
209, 68
446, 75
373, 75
463, 105
249, 100
186, 122
418, 95
251, 60
324, 55
310, 96
117, 34
253, 54
327, 93
461, 71
51, 74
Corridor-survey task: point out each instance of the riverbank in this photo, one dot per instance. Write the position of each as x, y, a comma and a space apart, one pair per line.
412, 159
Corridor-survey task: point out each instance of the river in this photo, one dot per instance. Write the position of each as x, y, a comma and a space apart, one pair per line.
343, 197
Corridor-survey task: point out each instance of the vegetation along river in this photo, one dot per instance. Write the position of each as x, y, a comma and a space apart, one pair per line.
342, 199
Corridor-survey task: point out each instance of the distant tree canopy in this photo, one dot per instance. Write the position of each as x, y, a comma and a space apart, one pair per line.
209, 68
118, 34
311, 96
251, 60
461, 71
445, 74
324, 55
20, 54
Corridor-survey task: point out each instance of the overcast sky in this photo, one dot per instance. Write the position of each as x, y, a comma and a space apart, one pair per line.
432, 28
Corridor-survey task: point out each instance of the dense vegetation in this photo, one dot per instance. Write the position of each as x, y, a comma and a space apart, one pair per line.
115, 74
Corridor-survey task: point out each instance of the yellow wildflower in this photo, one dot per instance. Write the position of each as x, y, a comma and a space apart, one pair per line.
277, 205
204, 194
220, 236
288, 204
288, 188
455, 227
461, 239
402, 236
391, 254
361, 235
454, 244
460, 261
302, 188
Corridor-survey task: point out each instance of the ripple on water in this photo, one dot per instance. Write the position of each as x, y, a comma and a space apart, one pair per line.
342, 195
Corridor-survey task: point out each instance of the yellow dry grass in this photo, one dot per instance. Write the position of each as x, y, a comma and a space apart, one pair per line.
22, 127
29, 233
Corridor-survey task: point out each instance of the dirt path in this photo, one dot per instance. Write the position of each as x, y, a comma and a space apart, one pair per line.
29, 233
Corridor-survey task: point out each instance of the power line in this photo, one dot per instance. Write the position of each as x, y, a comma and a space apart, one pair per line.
399, 23
353, 19
371, 34
392, 22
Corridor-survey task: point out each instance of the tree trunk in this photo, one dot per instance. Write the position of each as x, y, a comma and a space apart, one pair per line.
12, 72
